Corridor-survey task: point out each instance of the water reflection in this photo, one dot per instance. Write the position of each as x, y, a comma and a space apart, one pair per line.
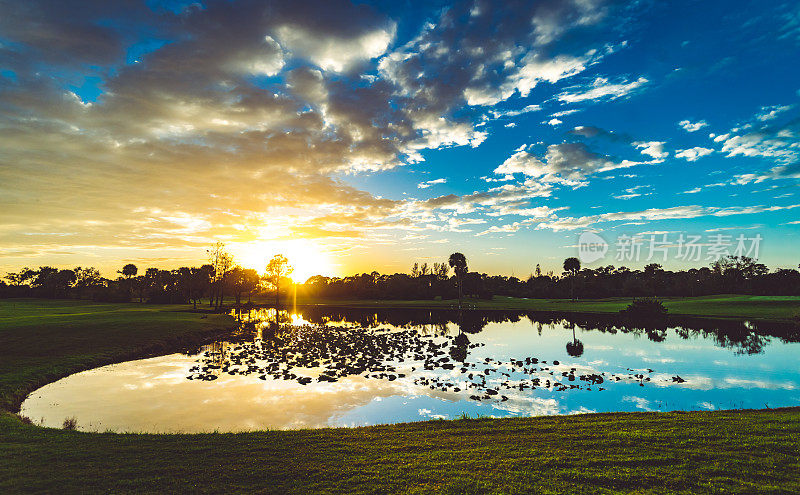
744, 337
344, 367
574, 348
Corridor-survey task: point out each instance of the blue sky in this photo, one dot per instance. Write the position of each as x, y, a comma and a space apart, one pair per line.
373, 135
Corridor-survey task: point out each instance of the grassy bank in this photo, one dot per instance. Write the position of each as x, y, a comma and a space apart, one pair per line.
43, 340
735, 451
745, 452
717, 306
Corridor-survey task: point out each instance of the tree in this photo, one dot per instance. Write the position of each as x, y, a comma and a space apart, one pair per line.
250, 282
440, 270
572, 266
574, 348
23, 277
129, 271
194, 282
221, 261
86, 278
52, 281
243, 281
277, 269
458, 262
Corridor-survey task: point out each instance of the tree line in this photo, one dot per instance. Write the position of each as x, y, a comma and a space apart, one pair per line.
730, 275
222, 278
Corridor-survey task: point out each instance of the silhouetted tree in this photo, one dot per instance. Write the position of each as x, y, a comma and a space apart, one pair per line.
572, 266
52, 281
129, 271
440, 270
242, 281
221, 261
278, 268
574, 348
458, 262
86, 278
23, 277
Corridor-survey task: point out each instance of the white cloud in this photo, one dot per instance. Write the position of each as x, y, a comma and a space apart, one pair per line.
537, 68
335, 54
522, 162
567, 163
600, 89
427, 184
772, 112
656, 214
654, 149
268, 61
693, 154
513, 113
689, 126
564, 113
634, 192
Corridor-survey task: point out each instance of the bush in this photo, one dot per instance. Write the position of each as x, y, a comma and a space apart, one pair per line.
645, 307
70, 424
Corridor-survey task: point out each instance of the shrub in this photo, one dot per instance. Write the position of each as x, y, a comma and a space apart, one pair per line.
70, 423
646, 307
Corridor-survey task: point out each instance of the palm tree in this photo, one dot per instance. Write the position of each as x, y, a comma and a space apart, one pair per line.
459, 264
129, 271
573, 266
575, 348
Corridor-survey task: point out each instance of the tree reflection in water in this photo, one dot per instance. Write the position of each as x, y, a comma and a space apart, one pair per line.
574, 348
330, 344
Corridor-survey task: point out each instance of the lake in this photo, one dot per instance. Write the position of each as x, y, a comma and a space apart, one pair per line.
333, 367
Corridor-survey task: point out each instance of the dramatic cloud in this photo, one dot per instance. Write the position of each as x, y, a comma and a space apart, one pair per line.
143, 130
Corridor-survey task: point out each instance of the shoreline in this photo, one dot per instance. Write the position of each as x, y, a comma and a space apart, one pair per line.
567, 453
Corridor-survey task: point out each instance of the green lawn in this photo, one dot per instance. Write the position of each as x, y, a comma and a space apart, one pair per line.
735, 451
43, 340
718, 306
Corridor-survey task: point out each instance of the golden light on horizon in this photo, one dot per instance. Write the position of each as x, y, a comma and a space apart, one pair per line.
307, 258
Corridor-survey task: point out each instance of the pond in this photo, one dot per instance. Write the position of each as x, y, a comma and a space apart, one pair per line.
354, 367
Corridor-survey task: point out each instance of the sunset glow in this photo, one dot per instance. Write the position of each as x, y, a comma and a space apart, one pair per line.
360, 136
306, 257
226, 218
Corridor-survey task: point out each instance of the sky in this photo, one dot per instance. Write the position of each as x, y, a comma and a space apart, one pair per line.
360, 136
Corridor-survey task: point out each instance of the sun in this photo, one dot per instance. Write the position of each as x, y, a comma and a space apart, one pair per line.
307, 258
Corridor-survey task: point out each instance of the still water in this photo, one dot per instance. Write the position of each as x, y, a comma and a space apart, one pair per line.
333, 367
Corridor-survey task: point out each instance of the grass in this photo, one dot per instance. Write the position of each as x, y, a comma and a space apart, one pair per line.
729, 451
43, 340
717, 306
